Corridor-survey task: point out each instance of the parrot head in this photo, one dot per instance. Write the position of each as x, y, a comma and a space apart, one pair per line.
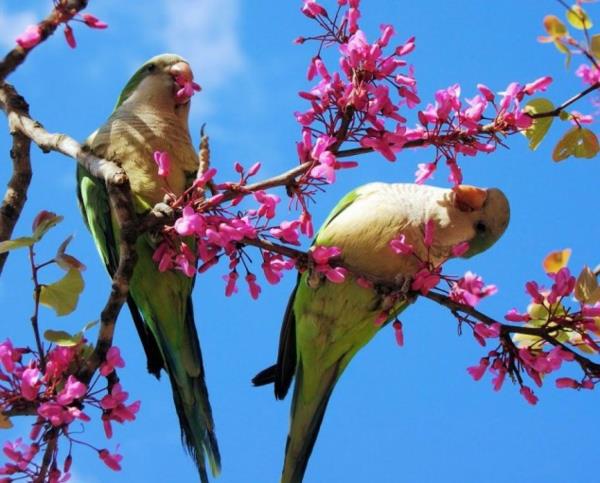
166, 79
488, 212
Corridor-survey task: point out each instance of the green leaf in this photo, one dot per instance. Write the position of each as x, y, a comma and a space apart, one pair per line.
578, 142
537, 131
595, 46
62, 338
587, 290
63, 295
43, 222
577, 17
24, 241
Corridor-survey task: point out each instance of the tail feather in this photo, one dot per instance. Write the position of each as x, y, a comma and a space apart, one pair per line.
306, 417
192, 404
266, 376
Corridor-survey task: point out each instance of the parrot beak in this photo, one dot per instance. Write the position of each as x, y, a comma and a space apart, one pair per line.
469, 198
185, 87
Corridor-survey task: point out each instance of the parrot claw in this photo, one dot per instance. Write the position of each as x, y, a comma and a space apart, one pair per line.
164, 209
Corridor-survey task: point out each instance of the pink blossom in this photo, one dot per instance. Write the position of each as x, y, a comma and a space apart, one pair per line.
268, 203
477, 372
231, 286
322, 254
113, 359
498, 380
312, 9
253, 286
538, 85
30, 38
590, 311
456, 176
30, 383
164, 256
564, 284
333, 274
111, 460
425, 280
533, 290
470, 289
70, 37
287, 231
424, 172
460, 249
93, 22
578, 118
8, 356
487, 92
55, 413
115, 398
398, 333
190, 222
73, 390
514, 316
588, 74
306, 226
487, 331
58, 361
429, 233
205, 177
163, 161
400, 246
566, 382
185, 261
187, 88
529, 396
273, 265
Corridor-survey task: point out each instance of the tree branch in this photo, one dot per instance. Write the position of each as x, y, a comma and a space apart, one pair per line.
16, 191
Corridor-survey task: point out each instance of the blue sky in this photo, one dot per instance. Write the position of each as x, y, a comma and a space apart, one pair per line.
408, 414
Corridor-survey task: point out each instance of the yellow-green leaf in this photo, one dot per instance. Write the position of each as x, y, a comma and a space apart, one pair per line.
63, 295
577, 17
537, 131
62, 338
24, 241
595, 45
556, 260
578, 142
5, 422
554, 26
587, 290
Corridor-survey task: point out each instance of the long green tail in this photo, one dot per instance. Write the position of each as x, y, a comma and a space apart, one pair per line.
190, 395
306, 417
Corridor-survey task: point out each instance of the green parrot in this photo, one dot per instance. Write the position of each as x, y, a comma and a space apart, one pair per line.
325, 324
152, 115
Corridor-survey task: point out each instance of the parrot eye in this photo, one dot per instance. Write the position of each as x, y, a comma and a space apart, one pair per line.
480, 227
151, 67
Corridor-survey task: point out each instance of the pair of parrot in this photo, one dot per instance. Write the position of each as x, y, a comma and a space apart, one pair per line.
325, 324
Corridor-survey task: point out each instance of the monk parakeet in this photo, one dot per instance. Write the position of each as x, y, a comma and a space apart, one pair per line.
325, 324
152, 115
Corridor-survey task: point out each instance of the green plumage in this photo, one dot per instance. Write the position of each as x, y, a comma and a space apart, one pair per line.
147, 118
326, 324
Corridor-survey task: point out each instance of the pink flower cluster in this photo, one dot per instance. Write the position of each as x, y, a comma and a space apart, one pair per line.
321, 256
33, 33
571, 329
455, 128
58, 398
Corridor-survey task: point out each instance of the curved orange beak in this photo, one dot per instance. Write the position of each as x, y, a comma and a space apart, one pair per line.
469, 198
